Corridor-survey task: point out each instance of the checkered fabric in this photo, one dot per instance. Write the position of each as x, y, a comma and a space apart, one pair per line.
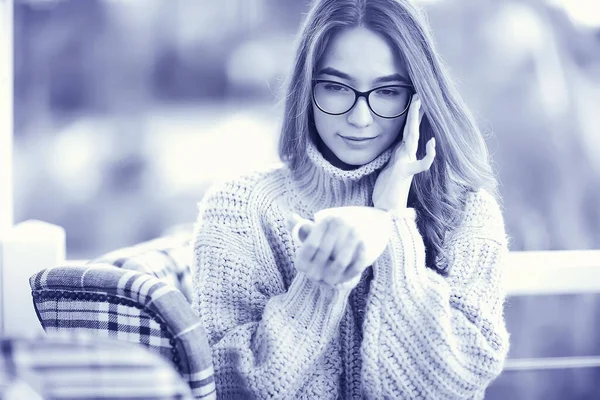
71, 366
131, 306
168, 258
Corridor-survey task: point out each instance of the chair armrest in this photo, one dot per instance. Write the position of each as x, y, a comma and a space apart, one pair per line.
131, 306
167, 258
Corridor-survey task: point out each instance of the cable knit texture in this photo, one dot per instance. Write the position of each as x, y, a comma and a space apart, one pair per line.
404, 332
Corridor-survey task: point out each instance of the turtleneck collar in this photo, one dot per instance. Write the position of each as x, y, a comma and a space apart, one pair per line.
319, 184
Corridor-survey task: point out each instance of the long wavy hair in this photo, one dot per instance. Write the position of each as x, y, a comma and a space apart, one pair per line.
462, 162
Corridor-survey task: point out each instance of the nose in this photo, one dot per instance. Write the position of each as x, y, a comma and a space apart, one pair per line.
360, 115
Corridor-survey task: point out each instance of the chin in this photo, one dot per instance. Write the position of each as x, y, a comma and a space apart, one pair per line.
357, 160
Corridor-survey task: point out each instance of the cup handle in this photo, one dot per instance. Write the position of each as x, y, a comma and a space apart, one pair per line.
297, 227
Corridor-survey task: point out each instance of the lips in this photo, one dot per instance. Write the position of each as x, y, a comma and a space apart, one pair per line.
358, 139
358, 143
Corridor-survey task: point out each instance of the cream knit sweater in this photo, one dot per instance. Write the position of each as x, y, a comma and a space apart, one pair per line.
404, 332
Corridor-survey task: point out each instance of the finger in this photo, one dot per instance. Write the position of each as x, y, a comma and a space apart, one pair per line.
357, 265
304, 230
414, 134
308, 268
301, 230
341, 255
311, 245
313, 273
427, 161
292, 223
411, 129
327, 243
311, 255
352, 248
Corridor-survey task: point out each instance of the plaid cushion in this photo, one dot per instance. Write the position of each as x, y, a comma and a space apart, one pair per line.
129, 306
168, 258
76, 366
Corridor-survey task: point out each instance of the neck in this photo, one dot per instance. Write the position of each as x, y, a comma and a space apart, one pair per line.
321, 184
331, 157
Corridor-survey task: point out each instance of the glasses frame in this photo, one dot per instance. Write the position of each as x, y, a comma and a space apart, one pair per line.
358, 94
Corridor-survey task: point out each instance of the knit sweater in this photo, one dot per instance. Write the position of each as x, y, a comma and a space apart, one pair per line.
405, 332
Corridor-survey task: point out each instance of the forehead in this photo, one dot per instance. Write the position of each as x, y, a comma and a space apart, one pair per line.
363, 54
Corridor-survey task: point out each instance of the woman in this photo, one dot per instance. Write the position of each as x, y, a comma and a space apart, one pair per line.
425, 321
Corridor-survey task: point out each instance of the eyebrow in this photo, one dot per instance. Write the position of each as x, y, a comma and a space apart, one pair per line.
382, 79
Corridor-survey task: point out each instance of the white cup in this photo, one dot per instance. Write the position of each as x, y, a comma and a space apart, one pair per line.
373, 225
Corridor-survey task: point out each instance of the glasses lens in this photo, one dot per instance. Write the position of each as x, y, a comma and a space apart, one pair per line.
333, 98
390, 101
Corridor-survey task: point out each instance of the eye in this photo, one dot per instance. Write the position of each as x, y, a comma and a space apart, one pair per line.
388, 92
335, 87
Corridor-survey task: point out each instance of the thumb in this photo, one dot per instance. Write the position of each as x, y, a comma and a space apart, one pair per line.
304, 229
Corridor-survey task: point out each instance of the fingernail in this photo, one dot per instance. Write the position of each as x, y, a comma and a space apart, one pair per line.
304, 232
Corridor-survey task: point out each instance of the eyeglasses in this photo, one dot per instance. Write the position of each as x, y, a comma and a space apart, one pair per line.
335, 98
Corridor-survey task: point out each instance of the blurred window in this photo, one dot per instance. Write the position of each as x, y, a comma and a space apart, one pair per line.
6, 113
125, 111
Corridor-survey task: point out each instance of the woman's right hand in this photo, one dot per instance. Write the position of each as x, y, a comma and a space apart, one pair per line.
332, 252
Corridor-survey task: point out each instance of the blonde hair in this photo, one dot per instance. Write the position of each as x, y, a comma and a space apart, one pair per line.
462, 162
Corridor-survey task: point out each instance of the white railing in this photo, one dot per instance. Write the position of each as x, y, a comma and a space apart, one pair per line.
530, 273
544, 363
552, 272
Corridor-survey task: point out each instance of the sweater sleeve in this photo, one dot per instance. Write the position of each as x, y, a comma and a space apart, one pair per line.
264, 339
429, 336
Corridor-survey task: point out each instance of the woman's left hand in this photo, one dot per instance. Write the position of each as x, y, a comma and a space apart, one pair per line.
394, 181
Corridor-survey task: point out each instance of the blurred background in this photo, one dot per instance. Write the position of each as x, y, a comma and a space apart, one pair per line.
126, 110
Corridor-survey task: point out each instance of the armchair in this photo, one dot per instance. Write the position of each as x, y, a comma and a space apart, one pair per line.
138, 294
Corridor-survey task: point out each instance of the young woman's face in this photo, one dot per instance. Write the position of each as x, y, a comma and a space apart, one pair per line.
361, 59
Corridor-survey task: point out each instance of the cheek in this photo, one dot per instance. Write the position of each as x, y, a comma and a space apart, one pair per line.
393, 128
325, 124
